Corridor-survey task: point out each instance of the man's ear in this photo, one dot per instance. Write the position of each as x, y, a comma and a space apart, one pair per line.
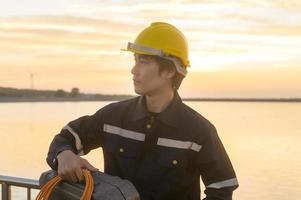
170, 73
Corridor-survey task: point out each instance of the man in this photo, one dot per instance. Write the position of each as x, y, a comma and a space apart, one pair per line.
158, 143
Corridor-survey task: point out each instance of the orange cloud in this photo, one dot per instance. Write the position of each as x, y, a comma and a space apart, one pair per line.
67, 50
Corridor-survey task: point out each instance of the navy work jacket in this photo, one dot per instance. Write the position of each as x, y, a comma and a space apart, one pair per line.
163, 155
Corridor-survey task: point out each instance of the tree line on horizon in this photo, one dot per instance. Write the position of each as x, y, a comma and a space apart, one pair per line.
14, 92
7, 93
59, 93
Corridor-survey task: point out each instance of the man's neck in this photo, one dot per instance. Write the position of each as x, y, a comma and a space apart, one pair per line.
158, 102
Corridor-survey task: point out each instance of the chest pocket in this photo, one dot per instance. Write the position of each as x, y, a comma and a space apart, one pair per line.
172, 158
120, 156
120, 147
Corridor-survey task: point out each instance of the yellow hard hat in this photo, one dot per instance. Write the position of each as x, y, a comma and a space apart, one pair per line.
164, 40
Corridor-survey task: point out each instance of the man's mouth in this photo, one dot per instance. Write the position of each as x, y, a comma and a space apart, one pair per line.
136, 82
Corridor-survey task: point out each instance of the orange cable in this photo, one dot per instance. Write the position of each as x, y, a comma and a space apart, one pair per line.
50, 185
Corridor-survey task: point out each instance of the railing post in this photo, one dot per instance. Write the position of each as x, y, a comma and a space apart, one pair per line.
28, 194
6, 191
7, 182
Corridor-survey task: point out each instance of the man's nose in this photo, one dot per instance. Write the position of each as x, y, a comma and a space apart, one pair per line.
134, 70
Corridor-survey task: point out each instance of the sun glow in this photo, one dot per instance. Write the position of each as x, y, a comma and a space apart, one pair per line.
79, 44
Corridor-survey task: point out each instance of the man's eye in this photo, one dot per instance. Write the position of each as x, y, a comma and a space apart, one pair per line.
143, 61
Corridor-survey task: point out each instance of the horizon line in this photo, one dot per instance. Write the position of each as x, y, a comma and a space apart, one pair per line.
183, 98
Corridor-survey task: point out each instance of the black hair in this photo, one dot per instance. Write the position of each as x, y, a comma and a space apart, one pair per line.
168, 65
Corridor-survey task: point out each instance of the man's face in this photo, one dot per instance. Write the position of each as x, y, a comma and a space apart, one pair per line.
146, 77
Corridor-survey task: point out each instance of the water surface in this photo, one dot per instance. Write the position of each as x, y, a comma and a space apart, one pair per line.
262, 139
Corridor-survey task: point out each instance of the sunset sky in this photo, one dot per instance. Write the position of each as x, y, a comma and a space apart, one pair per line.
238, 48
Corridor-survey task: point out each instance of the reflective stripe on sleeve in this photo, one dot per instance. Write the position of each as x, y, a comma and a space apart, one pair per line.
123, 132
78, 143
222, 184
179, 144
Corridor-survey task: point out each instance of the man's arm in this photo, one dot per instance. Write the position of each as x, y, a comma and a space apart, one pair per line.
216, 169
77, 138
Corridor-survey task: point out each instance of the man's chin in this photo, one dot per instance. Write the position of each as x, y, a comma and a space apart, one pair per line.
139, 92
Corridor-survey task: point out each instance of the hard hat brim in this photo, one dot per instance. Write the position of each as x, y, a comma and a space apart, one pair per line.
139, 49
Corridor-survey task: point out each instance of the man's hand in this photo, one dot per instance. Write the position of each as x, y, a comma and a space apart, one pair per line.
70, 166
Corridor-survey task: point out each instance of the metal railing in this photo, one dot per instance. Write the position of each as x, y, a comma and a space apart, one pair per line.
8, 181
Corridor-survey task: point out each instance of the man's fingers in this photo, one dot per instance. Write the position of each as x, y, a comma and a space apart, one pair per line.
88, 166
79, 174
70, 177
73, 177
63, 174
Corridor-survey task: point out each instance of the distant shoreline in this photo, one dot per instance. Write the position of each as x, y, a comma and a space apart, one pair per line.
15, 95
284, 100
60, 99
119, 98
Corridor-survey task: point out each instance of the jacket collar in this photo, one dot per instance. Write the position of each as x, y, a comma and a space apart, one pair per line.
169, 115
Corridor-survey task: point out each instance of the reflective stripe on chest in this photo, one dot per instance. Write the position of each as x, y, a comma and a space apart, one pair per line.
161, 141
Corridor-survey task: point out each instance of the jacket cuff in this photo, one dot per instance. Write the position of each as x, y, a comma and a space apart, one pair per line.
52, 159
